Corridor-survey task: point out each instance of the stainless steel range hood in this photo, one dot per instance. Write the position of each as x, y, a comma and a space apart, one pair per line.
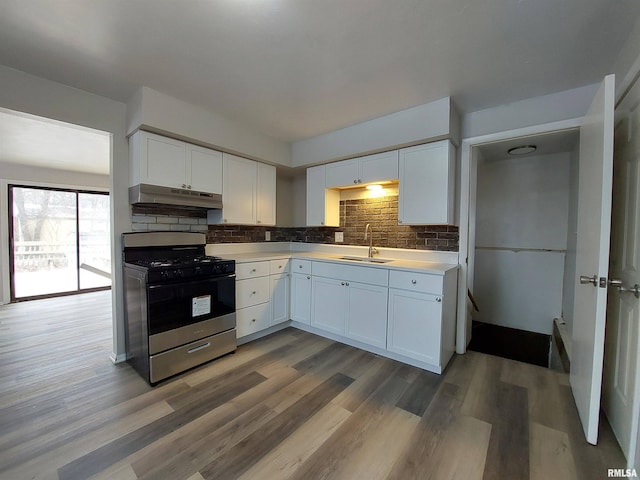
149, 195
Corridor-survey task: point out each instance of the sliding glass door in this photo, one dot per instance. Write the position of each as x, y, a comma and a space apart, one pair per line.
60, 241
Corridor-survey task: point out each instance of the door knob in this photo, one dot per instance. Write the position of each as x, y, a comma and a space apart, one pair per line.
584, 280
635, 290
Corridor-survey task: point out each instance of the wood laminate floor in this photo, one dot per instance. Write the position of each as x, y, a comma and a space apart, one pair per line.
289, 406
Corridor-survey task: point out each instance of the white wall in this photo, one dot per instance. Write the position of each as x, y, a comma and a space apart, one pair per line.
284, 205
161, 113
26, 93
526, 113
428, 122
521, 240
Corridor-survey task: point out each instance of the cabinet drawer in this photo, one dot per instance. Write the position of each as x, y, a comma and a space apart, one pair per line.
416, 282
280, 265
350, 273
251, 270
301, 266
252, 291
252, 319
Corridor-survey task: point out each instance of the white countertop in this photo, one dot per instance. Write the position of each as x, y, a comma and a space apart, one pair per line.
395, 264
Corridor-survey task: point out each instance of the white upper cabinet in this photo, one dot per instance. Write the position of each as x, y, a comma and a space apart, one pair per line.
248, 193
266, 195
163, 161
204, 169
378, 167
372, 168
323, 206
340, 174
426, 189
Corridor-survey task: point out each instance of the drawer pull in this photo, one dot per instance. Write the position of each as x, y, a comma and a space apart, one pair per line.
308, 277
279, 266
254, 292
438, 299
253, 270
346, 283
253, 320
199, 347
299, 266
341, 283
414, 282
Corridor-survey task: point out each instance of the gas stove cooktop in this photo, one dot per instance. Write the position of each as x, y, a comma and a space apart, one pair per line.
177, 262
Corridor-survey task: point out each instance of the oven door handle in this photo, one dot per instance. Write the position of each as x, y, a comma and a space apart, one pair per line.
199, 347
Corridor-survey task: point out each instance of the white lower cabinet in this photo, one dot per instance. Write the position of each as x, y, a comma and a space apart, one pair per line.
414, 326
301, 297
366, 319
252, 319
351, 308
328, 304
279, 298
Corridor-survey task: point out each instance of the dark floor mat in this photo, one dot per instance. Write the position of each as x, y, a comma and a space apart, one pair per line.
528, 347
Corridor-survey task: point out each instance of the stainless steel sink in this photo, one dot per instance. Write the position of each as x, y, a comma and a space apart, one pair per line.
366, 259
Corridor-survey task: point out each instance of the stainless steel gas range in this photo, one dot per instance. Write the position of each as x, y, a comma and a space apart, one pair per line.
180, 304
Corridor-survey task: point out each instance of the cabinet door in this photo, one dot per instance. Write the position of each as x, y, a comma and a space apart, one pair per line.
379, 167
279, 298
426, 184
204, 169
341, 174
367, 314
414, 327
266, 195
239, 177
323, 206
162, 161
301, 298
328, 304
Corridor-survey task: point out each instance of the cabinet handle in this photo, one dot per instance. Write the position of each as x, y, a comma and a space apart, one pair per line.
438, 299
258, 221
253, 319
279, 266
189, 187
253, 293
321, 223
253, 270
199, 347
355, 181
224, 220
299, 266
342, 283
359, 181
414, 282
184, 185
399, 221
347, 284
308, 277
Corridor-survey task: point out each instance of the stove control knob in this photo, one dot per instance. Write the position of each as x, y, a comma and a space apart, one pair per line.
165, 274
178, 274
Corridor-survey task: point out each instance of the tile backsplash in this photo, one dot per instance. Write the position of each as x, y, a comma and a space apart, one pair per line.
381, 213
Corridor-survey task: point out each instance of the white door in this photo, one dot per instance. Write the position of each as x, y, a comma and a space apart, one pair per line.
592, 256
620, 400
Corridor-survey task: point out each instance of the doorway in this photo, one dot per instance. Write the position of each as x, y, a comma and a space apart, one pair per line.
524, 256
59, 242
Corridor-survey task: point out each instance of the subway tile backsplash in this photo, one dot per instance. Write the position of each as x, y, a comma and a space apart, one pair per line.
381, 213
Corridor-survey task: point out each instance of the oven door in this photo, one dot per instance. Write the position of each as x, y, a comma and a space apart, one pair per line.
184, 311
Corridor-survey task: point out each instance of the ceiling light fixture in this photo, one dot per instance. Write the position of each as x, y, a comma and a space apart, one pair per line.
522, 150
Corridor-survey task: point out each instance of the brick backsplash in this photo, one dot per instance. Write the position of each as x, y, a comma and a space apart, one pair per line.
381, 213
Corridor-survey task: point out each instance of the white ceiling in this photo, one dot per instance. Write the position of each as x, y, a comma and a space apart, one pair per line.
298, 68
39, 142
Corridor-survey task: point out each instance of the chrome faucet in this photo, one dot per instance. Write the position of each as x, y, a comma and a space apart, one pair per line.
368, 230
